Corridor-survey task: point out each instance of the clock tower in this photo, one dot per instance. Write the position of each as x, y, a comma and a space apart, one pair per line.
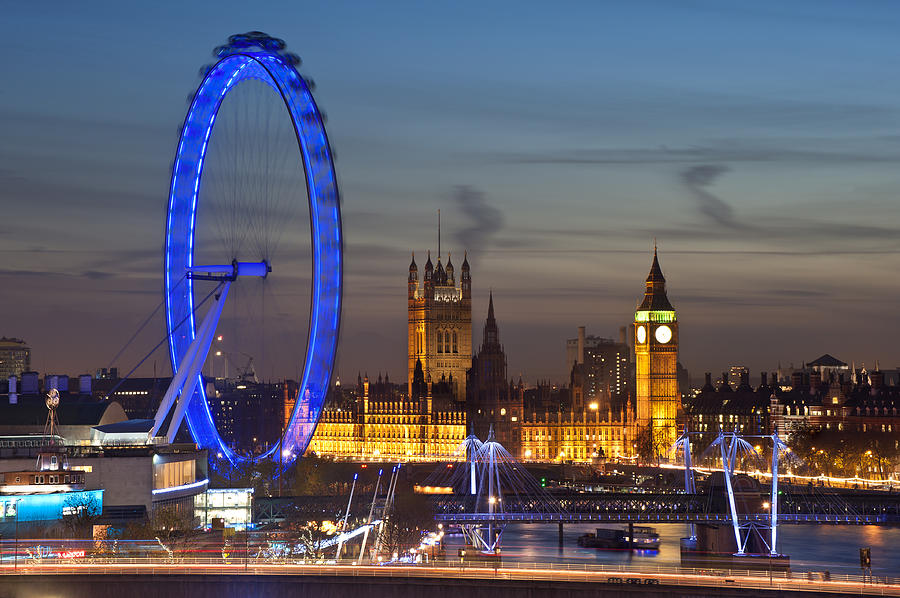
656, 359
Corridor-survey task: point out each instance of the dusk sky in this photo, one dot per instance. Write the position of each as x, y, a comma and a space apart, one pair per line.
758, 142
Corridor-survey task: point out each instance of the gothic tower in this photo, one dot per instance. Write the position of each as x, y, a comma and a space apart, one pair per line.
656, 358
494, 402
440, 324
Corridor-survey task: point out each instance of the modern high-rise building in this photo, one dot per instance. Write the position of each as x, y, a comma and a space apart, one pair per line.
656, 359
15, 357
604, 373
440, 325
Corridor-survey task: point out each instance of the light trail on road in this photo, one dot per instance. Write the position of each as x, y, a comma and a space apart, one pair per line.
749, 580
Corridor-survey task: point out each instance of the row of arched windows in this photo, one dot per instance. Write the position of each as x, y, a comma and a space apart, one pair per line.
447, 341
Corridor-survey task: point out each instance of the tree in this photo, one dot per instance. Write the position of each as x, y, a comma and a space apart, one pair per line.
842, 453
652, 443
80, 511
306, 531
171, 528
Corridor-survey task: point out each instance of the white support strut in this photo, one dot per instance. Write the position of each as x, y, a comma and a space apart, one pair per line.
340, 547
726, 469
684, 443
774, 502
185, 380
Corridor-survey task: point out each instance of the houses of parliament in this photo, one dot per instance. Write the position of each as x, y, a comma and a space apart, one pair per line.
451, 392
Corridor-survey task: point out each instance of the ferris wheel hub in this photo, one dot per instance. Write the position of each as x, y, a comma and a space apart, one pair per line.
232, 271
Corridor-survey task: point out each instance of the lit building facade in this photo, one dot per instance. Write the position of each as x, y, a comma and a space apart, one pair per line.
578, 437
440, 325
860, 408
379, 422
443, 402
656, 362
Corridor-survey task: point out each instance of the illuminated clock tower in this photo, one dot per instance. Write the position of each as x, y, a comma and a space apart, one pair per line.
656, 358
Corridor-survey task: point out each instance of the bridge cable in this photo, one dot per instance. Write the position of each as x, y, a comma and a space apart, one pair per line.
142, 326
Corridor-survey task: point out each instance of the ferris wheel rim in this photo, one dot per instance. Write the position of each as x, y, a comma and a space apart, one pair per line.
325, 228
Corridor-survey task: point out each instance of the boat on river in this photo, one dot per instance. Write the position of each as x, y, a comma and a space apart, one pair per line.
645, 538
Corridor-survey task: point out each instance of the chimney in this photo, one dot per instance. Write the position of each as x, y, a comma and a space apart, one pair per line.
877, 379
763, 376
580, 351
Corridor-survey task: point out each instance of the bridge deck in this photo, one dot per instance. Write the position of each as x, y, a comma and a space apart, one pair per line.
463, 518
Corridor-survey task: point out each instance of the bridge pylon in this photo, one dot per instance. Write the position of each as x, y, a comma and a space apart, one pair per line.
491, 488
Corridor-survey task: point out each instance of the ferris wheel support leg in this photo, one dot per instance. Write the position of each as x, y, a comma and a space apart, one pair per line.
180, 377
193, 370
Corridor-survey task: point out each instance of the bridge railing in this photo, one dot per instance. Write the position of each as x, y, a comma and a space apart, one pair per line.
651, 517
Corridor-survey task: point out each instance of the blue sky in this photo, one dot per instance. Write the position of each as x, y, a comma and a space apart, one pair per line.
756, 141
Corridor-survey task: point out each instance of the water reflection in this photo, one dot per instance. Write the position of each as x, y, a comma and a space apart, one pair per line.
812, 548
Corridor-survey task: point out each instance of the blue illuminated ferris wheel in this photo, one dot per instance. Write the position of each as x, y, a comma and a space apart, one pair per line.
252, 171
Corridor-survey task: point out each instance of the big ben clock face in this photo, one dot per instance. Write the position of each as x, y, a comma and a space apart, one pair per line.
641, 334
663, 334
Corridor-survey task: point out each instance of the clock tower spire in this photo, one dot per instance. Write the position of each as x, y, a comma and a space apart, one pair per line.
656, 359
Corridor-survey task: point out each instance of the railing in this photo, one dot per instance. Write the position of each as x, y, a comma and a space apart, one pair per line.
555, 572
662, 518
847, 508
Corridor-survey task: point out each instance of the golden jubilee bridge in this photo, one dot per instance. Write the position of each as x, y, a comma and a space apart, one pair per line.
491, 487
800, 506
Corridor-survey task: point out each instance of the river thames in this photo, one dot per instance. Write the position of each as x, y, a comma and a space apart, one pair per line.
834, 548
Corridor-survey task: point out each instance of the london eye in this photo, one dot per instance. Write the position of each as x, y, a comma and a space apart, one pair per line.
253, 172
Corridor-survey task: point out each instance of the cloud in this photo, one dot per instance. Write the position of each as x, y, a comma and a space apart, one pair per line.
486, 220
795, 150
97, 274
697, 179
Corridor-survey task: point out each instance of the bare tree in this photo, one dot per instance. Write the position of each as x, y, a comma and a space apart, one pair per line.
80, 511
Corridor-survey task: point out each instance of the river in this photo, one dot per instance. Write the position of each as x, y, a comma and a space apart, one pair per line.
811, 547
